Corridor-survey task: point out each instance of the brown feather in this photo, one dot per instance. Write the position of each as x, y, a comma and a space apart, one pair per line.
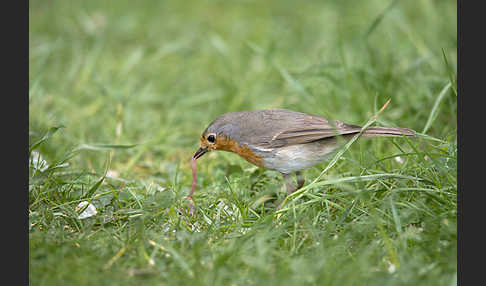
387, 132
301, 136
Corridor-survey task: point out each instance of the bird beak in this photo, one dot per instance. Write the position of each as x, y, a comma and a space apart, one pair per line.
201, 151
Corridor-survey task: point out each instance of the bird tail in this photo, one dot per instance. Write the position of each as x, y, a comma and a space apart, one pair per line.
376, 131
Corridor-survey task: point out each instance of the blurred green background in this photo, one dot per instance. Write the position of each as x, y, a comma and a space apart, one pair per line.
155, 73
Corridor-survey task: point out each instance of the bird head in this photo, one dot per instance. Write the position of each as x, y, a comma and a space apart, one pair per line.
221, 134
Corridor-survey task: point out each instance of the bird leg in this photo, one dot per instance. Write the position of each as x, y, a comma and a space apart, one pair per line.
290, 186
288, 182
300, 179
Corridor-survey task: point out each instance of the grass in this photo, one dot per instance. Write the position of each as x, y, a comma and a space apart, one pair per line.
119, 94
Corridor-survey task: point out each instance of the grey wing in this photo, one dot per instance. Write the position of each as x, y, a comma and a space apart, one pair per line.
312, 128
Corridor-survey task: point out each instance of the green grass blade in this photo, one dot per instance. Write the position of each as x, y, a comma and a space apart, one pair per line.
44, 138
435, 108
103, 147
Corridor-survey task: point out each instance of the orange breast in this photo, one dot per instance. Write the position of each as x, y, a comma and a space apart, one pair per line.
228, 144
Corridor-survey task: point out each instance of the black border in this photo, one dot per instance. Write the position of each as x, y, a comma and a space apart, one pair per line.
15, 118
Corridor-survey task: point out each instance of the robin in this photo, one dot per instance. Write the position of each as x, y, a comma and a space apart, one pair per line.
283, 140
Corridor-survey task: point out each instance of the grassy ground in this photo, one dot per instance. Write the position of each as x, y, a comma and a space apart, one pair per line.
120, 92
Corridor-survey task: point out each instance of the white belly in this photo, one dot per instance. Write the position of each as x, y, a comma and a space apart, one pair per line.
299, 157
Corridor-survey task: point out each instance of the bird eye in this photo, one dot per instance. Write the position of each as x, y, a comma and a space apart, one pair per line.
211, 138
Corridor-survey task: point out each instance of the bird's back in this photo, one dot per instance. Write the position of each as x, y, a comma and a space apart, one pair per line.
268, 127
